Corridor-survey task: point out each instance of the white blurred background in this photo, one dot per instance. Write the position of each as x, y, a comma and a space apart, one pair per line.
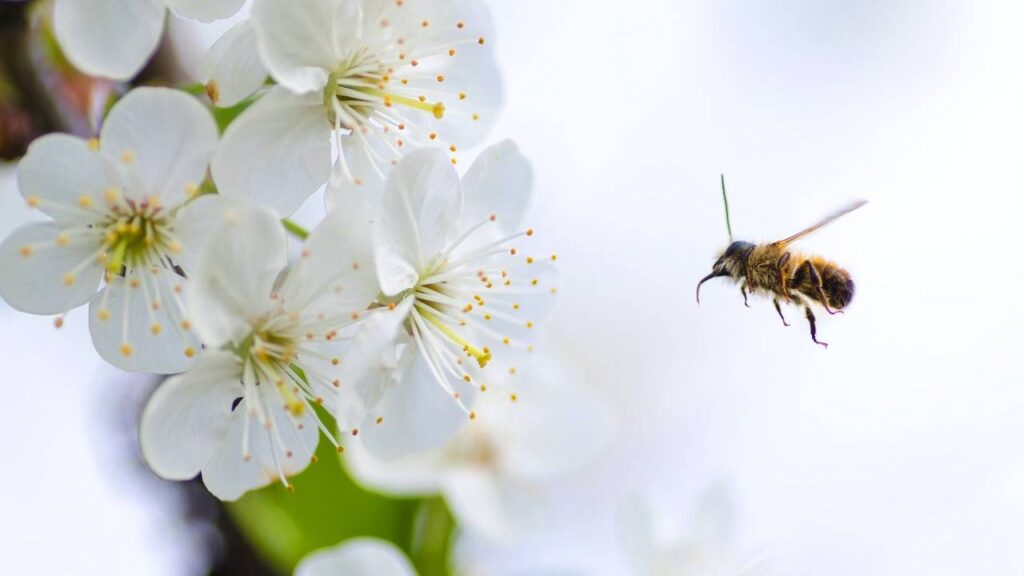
895, 451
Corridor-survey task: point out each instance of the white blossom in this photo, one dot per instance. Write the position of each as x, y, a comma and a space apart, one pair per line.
275, 338
661, 544
375, 77
493, 472
123, 214
114, 38
450, 259
357, 557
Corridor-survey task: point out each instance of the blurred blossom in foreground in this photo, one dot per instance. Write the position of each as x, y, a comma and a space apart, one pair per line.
660, 544
492, 473
357, 557
375, 78
119, 217
114, 38
244, 415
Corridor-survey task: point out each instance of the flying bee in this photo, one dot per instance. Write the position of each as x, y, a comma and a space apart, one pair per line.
775, 270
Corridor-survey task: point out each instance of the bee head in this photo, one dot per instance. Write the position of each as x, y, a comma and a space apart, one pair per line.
732, 263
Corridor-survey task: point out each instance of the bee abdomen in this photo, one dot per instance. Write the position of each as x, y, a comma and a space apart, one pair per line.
836, 283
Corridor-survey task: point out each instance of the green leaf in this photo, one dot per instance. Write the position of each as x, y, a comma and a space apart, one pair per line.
327, 507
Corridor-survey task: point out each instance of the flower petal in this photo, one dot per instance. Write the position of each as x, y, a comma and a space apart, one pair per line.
109, 38
198, 221
277, 153
415, 475
232, 68
420, 214
186, 420
232, 281
418, 414
205, 10
304, 41
166, 136
336, 273
555, 426
370, 367
496, 507
500, 182
64, 177
41, 277
228, 475
357, 557
137, 326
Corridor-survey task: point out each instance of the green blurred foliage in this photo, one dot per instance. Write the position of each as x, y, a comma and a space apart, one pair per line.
327, 507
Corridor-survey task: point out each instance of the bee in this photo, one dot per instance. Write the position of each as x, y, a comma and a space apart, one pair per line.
775, 270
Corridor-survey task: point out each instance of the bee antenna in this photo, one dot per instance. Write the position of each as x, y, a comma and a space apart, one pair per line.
725, 200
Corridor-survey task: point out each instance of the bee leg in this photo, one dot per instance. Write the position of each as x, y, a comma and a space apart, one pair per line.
781, 267
816, 279
814, 329
779, 310
743, 290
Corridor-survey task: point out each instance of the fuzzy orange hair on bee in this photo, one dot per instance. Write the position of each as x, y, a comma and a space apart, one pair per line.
774, 270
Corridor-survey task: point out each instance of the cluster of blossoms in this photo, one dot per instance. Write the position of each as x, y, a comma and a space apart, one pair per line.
410, 307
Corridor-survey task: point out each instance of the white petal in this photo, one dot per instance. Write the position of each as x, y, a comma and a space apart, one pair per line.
186, 420
109, 38
369, 368
228, 475
357, 557
155, 338
165, 136
277, 153
197, 221
205, 10
500, 183
51, 279
304, 41
418, 414
413, 475
232, 68
336, 274
495, 507
60, 170
232, 282
420, 214
368, 159
554, 427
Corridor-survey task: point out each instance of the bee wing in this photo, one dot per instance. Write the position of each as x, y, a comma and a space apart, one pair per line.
819, 225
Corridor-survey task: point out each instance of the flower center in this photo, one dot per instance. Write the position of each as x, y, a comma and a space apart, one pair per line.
136, 234
270, 356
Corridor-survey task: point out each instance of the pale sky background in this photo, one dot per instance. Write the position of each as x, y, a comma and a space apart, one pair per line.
896, 451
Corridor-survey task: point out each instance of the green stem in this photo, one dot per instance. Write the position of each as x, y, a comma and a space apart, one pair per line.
432, 536
295, 229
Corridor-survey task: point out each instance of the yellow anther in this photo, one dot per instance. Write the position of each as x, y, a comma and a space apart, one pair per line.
103, 314
32, 201
190, 352
186, 325
480, 40
380, 419
451, 51
475, 116
212, 91
126, 349
155, 329
462, 95
85, 201
69, 279
93, 144
513, 397
472, 415
128, 156
63, 239
111, 195
25, 251
438, 110
440, 77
